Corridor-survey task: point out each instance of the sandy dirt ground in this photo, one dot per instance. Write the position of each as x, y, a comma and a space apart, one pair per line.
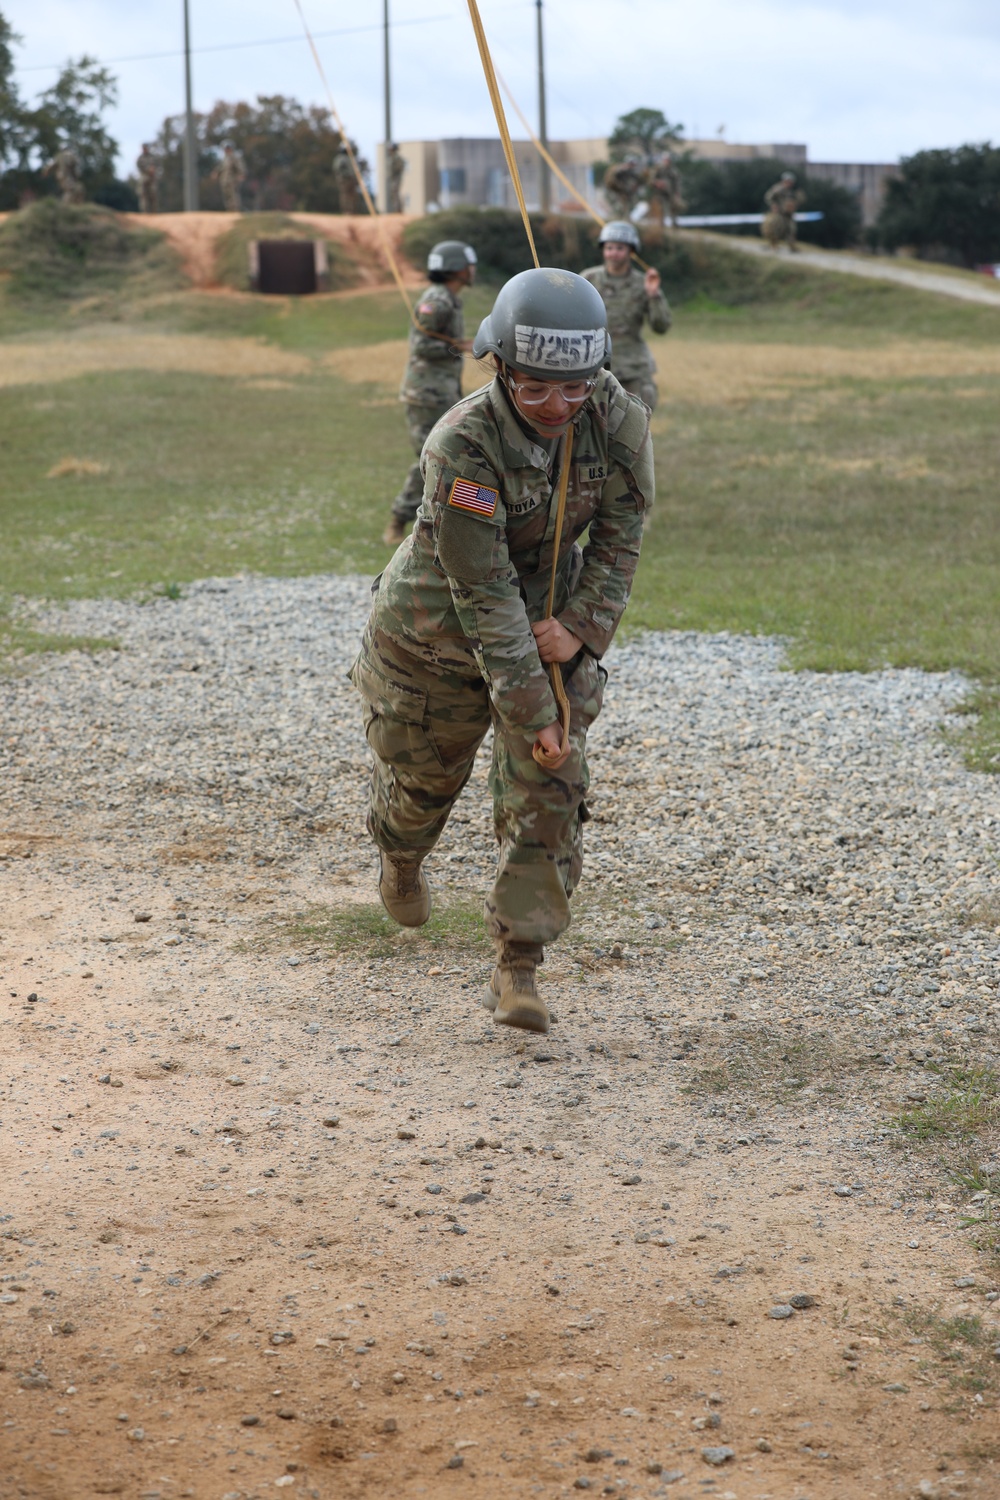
230, 1276
276, 1219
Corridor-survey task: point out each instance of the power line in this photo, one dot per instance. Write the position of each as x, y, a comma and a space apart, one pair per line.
274, 41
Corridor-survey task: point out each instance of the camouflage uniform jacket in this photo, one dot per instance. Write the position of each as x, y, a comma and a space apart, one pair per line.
434, 369
628, 308
781, 198
463, 589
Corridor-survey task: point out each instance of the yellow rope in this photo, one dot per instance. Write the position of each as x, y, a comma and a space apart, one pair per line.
501, 119
379, 222
546, 157
544, 154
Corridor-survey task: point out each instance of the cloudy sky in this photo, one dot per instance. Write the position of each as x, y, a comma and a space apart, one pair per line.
856, 80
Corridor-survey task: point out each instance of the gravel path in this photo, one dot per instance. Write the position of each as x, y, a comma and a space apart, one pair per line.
879, 269
282, 1216
730, 795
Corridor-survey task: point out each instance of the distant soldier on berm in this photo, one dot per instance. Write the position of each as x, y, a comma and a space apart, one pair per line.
781, 201
149, 181
231, 173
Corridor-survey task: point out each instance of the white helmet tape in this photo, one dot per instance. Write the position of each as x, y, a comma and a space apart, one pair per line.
562, 350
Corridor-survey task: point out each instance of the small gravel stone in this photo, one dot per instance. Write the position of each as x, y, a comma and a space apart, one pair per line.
782, 1310
801, 1301
717, 1456
249, 1421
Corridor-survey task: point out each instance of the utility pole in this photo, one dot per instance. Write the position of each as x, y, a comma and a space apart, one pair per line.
190, 143
388, 106
543, 134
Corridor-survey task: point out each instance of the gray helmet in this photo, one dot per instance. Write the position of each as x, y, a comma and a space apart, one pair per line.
788, 176
619, 232
548, 323
451, 256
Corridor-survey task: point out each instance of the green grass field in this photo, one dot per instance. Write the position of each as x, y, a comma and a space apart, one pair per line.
826, 458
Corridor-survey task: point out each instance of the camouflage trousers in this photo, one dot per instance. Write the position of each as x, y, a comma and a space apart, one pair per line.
424, 721
420, 419
779, 229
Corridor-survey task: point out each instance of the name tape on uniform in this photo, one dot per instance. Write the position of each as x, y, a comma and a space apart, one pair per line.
478, 498
558, 348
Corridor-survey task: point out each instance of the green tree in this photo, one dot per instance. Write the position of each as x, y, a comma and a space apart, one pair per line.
738, 187
287, 148
71, 114
945, 204
643, 132
11, 108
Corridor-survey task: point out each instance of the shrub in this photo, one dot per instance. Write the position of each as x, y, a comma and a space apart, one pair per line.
691, 266
53, 251
945, 205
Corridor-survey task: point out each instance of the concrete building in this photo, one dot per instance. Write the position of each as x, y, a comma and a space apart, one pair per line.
469, 172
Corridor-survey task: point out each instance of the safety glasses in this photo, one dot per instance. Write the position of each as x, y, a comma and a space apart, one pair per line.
537, 392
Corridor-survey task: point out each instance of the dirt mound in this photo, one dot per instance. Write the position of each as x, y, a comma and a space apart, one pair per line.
195, 237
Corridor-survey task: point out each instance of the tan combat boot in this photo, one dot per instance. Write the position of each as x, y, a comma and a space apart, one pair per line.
403, 888
512, 995
395, 532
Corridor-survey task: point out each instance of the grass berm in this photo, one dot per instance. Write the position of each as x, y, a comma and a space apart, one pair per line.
825, 446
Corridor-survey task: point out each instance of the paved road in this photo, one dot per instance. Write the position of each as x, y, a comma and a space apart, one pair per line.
880, 269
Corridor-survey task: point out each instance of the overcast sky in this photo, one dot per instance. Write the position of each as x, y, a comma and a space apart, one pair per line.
855, 80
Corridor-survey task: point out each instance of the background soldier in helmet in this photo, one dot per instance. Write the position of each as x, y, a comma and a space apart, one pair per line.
781, 201
632, 298
461, 629
665, 199
149, 181
231, 173
68, 174
395, 164
347, 183
433, 379
623, 184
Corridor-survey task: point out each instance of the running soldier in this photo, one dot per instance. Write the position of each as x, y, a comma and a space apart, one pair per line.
492, 588
433, 379
781, 201
623, 184
632, 298
664, 191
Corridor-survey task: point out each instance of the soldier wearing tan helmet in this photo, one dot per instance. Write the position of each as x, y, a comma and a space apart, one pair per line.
433, 379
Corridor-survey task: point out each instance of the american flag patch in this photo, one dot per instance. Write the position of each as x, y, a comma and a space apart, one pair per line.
478, 498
